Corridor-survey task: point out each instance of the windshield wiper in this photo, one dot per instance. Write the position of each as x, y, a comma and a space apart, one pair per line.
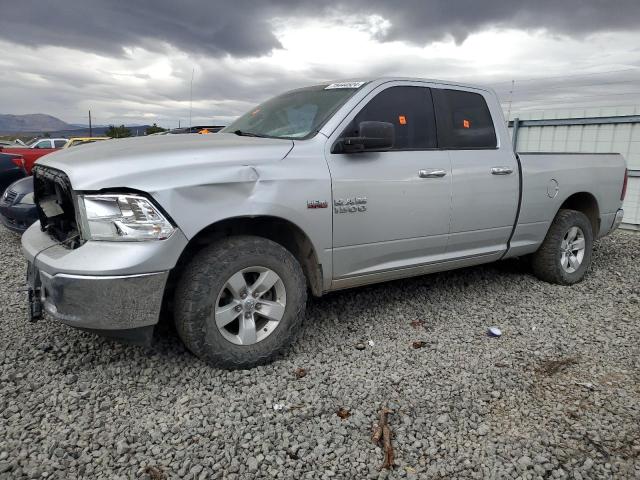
240, 133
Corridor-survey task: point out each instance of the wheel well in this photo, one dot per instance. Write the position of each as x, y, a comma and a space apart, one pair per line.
281, 231
586, 203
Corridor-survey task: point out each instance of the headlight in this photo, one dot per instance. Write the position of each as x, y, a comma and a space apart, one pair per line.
122, 218
28, 199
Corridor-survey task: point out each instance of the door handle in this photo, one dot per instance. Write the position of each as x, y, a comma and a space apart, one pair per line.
501, 170
431, 173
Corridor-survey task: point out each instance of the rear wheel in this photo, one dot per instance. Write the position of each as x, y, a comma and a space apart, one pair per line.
565, 255
240, 302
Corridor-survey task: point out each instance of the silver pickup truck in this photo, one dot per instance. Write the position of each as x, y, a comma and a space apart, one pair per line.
318, 189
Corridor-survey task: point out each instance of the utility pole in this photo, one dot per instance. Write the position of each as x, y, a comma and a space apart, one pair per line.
90, 129
191, 98
513, 87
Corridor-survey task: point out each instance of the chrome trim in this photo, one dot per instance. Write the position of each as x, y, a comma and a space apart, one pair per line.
431, 173
501, 171
102, 302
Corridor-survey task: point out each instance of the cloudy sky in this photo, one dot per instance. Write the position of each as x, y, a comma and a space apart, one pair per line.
132, 62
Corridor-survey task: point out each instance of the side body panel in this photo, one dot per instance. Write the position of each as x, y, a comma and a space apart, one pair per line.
548, 179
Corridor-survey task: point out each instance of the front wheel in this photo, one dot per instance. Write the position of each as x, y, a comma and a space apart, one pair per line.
240, 302
565, 254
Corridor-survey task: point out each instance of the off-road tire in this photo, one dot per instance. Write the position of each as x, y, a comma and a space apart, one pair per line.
202, 281
546, 263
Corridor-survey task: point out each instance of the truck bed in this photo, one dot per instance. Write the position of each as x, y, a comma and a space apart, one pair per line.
549, 180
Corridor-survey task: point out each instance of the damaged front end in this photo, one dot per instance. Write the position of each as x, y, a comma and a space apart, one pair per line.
55, 204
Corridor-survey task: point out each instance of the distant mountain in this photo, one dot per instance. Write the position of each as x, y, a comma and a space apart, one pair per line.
75, 131
36, 122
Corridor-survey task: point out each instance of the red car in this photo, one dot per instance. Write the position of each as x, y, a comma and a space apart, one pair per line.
29, 155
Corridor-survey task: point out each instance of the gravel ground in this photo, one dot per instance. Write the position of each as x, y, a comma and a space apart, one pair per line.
557, 396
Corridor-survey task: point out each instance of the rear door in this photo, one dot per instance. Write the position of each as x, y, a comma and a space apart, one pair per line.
390, 208
485, 178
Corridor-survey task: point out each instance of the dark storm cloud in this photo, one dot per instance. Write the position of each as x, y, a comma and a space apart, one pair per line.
242, 28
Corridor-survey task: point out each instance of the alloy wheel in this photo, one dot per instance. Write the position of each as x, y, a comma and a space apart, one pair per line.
572, 249
250, 305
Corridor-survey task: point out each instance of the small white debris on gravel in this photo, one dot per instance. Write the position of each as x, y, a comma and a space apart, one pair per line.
73, 405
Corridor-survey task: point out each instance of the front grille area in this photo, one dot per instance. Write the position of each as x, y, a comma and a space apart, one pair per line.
9, 197
54, 199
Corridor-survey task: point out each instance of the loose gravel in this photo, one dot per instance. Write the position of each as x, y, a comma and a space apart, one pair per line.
556, 396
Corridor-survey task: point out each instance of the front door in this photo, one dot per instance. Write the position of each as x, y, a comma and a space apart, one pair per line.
391, 209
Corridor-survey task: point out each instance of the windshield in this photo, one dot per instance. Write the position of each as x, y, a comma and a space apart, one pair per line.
295, 114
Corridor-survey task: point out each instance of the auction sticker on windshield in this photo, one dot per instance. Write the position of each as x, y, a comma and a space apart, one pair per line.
344, 85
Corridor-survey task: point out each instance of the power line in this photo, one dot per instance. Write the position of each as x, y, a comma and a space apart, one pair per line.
565, 76
557, 87
580, 97
571, 106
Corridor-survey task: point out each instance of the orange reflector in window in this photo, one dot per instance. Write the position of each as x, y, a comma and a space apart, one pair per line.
402, 119
466, 124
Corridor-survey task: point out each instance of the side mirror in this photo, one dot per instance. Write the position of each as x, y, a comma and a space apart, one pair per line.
373, 136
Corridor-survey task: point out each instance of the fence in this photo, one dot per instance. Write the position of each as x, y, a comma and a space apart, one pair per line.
598, 134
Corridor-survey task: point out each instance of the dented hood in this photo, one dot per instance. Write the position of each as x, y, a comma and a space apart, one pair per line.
158, 162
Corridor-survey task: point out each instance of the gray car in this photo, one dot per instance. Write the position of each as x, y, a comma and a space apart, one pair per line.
322, 188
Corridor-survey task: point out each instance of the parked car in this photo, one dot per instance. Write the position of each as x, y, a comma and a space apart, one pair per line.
75, 141
12, 167
47, 143
322, 188
29, 155
17, 208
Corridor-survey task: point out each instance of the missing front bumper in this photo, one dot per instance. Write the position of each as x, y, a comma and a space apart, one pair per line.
97, 302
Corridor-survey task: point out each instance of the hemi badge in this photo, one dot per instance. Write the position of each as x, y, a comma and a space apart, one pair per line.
317, 204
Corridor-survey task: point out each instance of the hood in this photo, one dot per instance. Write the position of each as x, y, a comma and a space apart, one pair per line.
158, 162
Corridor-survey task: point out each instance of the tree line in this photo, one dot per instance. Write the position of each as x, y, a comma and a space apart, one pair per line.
122, 132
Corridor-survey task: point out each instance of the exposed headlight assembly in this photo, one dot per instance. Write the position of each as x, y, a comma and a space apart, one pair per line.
125, 218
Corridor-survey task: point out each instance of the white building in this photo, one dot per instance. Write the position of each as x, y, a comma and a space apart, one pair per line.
596, 130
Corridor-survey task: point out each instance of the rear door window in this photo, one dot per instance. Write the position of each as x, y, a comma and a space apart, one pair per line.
59, 143
409, 109
464, 121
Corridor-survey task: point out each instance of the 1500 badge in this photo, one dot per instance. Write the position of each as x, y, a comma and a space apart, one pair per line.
350, 205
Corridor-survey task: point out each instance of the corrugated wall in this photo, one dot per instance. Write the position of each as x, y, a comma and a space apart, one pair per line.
620, 138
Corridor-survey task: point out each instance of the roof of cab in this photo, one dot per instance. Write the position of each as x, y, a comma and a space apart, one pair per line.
381, 80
